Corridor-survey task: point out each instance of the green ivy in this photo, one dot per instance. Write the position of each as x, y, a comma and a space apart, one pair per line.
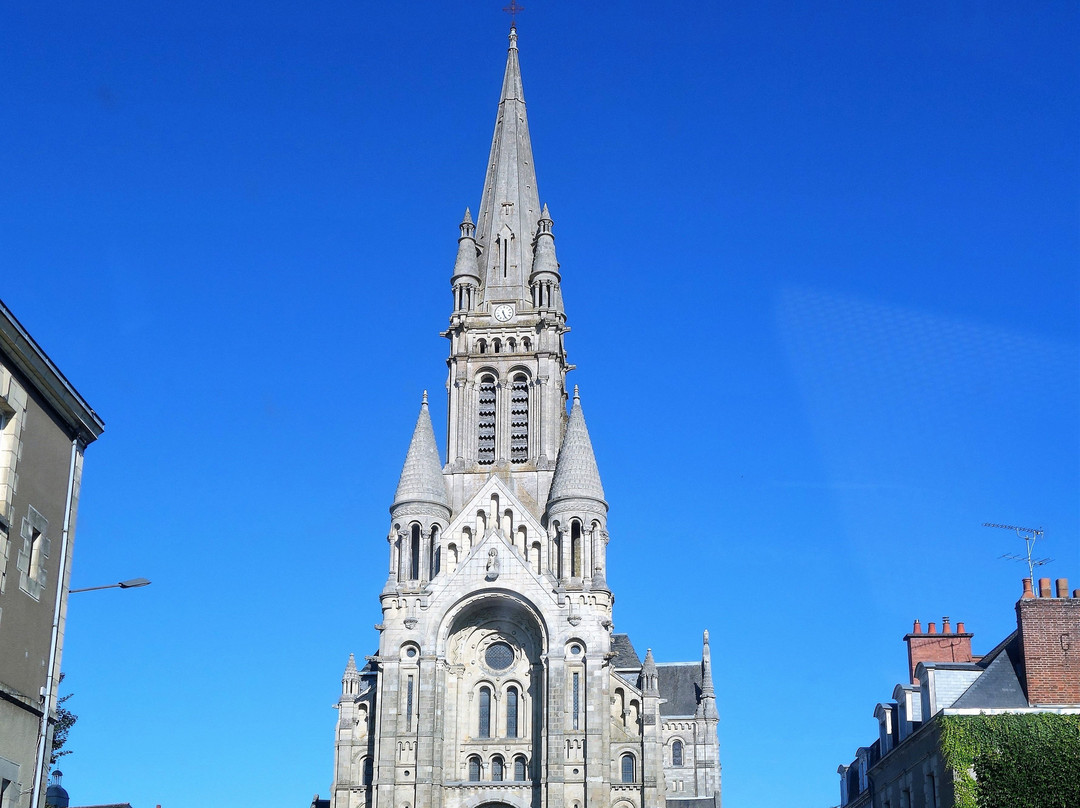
1030, 760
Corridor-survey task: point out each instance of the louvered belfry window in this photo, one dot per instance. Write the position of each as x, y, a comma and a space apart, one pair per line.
485, 449
519, 419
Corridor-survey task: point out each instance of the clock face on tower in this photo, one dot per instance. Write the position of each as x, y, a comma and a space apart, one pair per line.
503, 312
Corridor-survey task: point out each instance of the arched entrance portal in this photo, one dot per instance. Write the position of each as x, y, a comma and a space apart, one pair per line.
494, 689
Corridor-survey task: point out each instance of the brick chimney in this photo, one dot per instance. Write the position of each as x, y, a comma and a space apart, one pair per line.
948, 646
1049, 630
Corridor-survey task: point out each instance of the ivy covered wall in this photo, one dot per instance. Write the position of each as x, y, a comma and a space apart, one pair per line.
1018, 761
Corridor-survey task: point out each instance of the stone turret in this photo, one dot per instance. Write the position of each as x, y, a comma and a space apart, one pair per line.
576, 509
350, 680
421, 509
545, 278
466, 280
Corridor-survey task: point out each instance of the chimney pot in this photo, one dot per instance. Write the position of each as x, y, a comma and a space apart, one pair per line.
917, 628
1044, 588
960, 628
1062, 587
946, 628
1027, 590
932, 628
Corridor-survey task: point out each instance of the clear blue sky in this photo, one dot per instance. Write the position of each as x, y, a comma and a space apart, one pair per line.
821, 264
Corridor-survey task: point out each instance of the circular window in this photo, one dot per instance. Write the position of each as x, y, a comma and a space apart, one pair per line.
575, 649
410, 652
499, 656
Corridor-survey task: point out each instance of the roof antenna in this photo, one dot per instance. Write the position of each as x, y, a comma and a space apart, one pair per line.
513, 10
1030, 535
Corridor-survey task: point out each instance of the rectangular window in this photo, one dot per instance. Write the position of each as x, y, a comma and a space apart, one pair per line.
409, 704
577, 700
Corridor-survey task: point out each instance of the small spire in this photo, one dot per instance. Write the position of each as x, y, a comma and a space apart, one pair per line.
468, 217
421, 475
650, 684
350, 666
576, 474
708, 693
544, 214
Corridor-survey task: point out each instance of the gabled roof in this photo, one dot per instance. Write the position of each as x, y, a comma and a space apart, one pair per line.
999, 686
680, 685
421, 476
623, 649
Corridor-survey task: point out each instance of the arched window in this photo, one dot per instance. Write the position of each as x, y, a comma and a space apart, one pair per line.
512, 712
414, 553
482, 346
485, 436
368, 769
484, 728
436, 554
520, 768
474, 769
497, 769
676, 753
525, 343
627, 768
511, 345
519, 419
496, 346
575, 549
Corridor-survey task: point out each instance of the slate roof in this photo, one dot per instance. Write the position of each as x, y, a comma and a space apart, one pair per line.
421, 476
680, 684
999, 686
691, 802
576, 474
625, 655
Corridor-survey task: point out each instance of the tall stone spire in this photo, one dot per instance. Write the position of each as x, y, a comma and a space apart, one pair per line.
510, 205
421, 476
708, 693
576, 473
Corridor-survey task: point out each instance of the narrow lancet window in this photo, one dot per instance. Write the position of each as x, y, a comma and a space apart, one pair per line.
575, 549
577, 701
676, 753
409, 704
512, 713
485, 449
519, 419
484, 729
628, 768
414, 554
519, 769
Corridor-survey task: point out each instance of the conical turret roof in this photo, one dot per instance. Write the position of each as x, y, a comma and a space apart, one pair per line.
421, 476
576, 474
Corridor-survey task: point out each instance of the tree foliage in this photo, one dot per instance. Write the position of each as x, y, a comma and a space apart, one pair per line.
65, 720
1027, 760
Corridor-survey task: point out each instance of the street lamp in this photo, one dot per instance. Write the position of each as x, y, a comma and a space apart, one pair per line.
132, 584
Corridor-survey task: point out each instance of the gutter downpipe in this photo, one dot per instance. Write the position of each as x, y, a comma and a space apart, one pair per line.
54, 642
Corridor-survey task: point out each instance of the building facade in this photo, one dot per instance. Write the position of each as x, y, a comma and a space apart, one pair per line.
499, 679
1035, 670
44, 427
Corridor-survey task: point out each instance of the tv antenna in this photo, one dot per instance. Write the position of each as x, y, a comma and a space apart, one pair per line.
1030, 535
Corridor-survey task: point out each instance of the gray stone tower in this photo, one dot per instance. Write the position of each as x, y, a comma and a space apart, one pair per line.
499, 680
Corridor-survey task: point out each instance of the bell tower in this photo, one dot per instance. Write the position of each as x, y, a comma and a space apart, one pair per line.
507, 364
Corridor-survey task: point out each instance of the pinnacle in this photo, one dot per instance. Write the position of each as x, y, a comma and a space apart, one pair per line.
421, 476
545, 214
468, 217
576, 473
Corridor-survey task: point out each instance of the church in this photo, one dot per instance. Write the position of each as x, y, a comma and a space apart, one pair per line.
499, 678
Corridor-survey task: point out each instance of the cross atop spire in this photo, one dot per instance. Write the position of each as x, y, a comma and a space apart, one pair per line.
513, 10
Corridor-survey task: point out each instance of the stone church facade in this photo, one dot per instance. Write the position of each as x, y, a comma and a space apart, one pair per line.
499, 679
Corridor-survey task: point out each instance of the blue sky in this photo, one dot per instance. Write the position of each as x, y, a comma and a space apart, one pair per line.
821, 265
